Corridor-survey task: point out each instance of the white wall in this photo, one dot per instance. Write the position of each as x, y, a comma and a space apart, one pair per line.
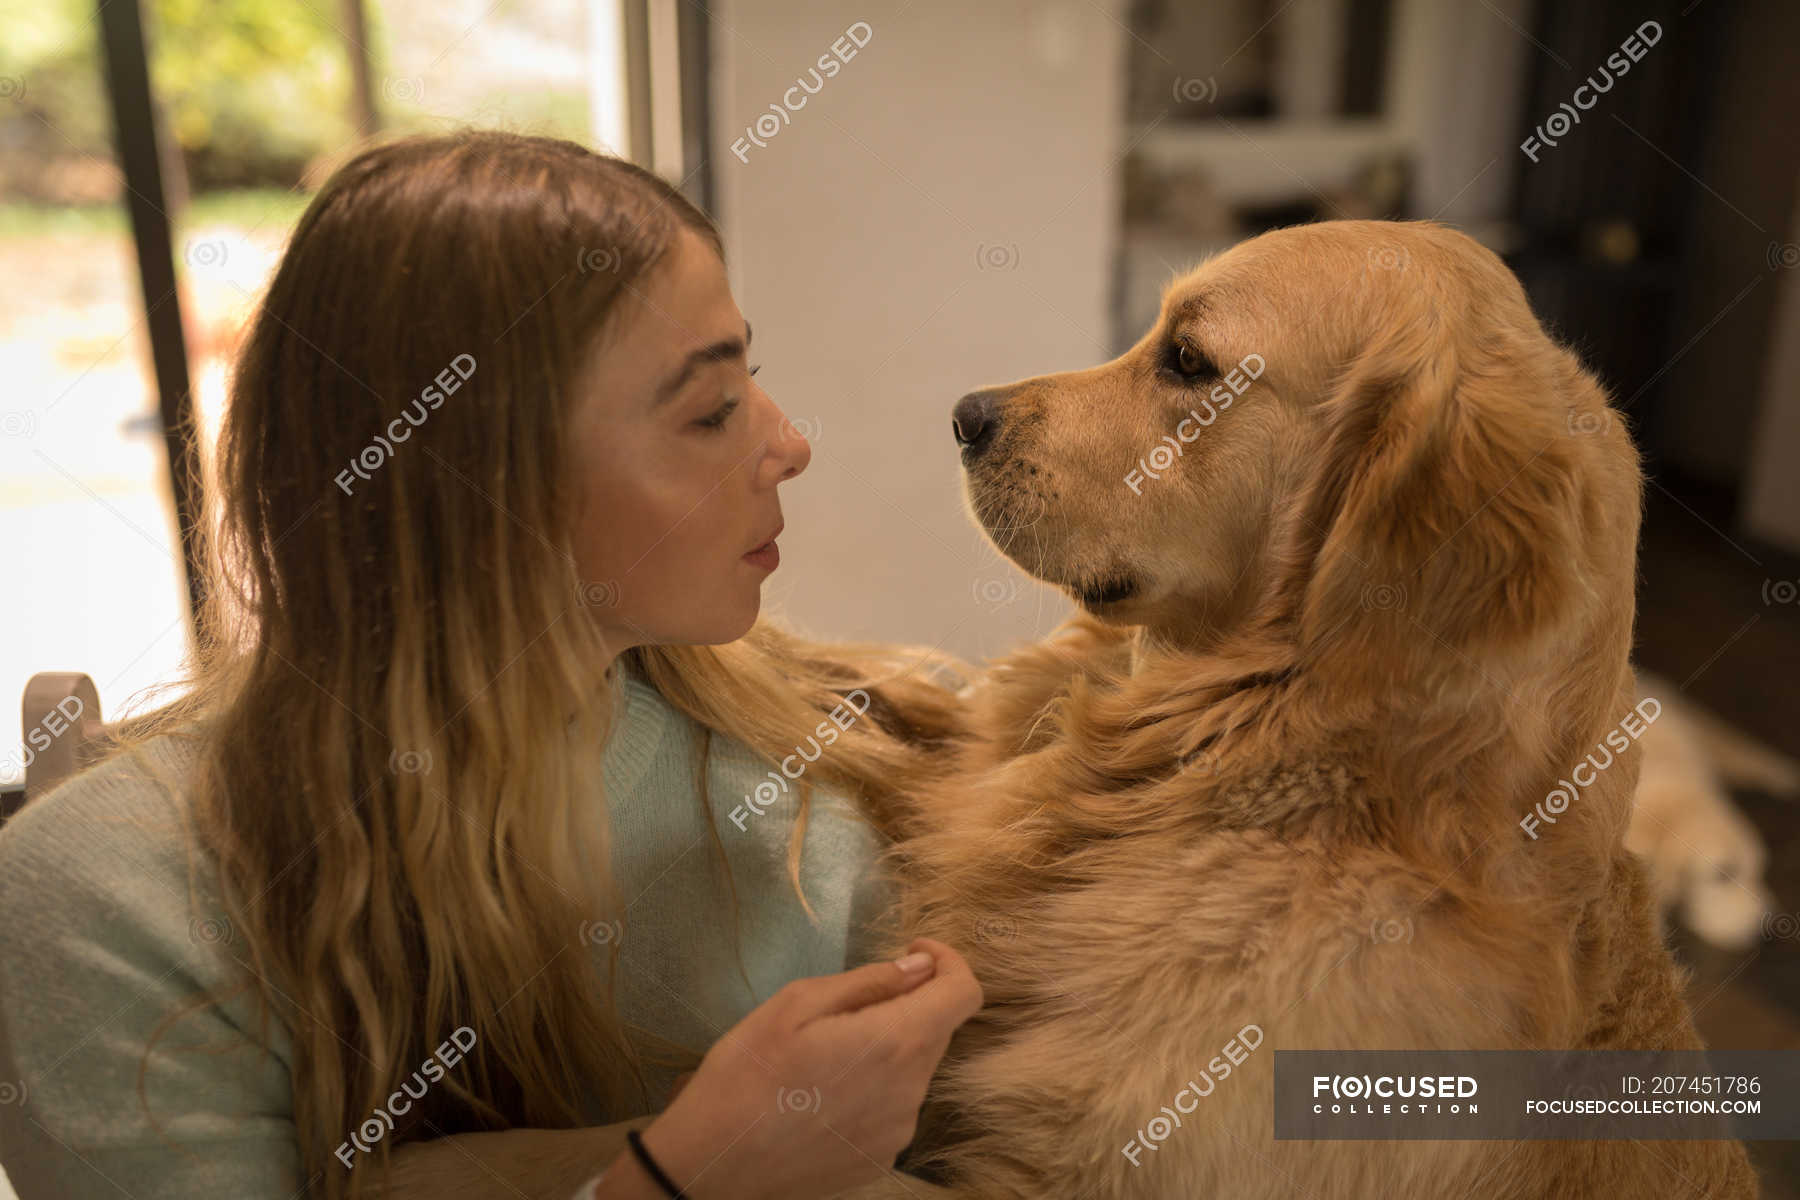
1772, 490
1455, 85
855, 240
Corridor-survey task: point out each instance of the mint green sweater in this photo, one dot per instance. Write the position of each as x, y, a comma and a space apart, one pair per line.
100, 940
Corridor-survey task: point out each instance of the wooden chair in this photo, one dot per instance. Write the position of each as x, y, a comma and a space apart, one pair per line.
61, 713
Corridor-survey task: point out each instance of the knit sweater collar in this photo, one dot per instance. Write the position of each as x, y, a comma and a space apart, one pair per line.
642, 720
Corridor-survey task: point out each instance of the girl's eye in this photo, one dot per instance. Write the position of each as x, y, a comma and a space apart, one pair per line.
717, 419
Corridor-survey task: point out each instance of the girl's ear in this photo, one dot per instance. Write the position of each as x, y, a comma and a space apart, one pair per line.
1451, 500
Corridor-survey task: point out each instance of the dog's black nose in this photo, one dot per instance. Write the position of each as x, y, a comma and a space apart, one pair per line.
975, 421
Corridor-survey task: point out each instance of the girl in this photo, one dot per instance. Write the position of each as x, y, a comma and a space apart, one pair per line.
423, 877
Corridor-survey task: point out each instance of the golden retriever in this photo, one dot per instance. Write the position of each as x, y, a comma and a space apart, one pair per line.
1354, 542
1704, 857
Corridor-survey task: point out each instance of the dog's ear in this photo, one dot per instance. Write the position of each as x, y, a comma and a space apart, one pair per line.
1451, 506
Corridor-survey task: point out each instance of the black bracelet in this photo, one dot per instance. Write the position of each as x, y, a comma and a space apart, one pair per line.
643, 1156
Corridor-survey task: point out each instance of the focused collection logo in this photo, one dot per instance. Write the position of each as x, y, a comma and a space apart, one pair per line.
1387, 1095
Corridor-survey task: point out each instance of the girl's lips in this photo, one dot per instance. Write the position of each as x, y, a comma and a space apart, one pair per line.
767, 556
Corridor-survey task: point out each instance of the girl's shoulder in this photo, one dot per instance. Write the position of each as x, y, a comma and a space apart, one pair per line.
102, 881
116, 827
110, 934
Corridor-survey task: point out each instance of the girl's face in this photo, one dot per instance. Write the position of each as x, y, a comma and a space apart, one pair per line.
677, 454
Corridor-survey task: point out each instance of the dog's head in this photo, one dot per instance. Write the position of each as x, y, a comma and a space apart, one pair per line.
1355, 427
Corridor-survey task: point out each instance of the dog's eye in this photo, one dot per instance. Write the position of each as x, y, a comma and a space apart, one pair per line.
1189, 361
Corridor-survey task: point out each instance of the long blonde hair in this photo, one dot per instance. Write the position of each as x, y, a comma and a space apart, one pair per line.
398, 695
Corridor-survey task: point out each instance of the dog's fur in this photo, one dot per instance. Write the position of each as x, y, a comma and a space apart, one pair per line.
1370, 615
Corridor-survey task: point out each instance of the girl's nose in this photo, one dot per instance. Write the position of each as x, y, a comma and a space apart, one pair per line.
789, 449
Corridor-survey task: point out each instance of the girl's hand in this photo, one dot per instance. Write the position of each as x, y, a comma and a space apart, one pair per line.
818, 1089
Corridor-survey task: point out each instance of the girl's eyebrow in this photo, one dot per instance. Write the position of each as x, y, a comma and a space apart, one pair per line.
720, 351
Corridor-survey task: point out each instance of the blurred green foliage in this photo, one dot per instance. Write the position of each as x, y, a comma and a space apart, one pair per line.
258, 208
251, 89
